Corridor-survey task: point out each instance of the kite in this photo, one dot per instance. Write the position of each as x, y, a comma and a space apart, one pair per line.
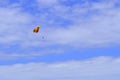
36, 29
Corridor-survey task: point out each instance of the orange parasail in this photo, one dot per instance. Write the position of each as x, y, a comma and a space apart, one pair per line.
36, 29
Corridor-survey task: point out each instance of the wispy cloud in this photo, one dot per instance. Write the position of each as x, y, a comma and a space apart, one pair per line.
96, 68
13, 21
27, 54
90, 25
84, 24
46, 2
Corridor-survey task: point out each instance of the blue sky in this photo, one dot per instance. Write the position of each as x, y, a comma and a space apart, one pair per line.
80, 37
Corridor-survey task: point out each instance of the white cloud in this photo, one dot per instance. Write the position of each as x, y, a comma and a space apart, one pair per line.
27, 54
47, 2
101, 68
13, 23
92, 24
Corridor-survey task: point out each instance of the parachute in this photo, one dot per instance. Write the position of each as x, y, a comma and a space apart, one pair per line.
36, 29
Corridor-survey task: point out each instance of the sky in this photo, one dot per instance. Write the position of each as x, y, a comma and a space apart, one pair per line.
81, 40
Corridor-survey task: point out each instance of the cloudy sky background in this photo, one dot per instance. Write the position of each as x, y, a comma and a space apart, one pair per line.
81, 40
